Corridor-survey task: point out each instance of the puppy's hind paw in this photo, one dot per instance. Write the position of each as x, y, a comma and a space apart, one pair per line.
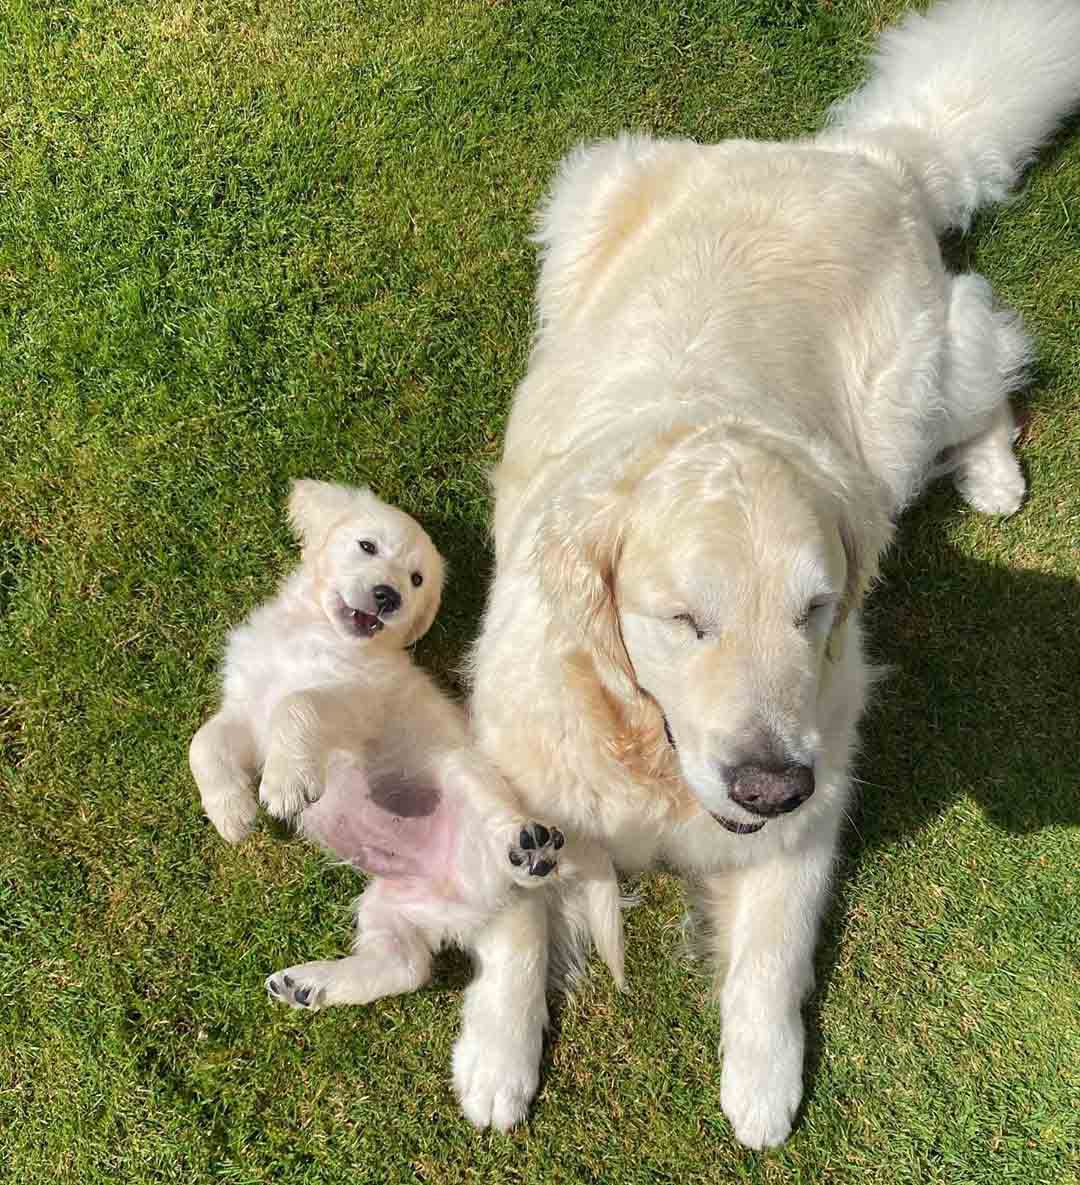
285, 989
533, 854
233, 814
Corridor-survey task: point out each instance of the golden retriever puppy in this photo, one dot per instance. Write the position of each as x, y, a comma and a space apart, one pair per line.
750, 358
360, 747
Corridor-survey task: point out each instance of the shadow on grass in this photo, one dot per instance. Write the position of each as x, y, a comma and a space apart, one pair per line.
981, 698
470, 563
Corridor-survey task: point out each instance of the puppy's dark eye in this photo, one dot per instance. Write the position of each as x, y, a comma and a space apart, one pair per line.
416, 579
691, 623
367, 546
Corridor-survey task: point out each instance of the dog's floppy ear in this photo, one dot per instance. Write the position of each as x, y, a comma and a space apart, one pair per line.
576, 555
864, 539
314, 507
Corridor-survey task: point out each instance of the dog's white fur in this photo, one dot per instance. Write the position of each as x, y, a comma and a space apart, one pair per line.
749, 359
358, 744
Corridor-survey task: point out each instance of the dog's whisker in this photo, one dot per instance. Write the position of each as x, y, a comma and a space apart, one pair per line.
875, 785
854, 826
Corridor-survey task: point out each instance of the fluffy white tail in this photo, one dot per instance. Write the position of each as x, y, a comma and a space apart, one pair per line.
966, 94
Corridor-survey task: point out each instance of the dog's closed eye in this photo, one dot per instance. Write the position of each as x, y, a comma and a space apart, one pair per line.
691, 623
814, 612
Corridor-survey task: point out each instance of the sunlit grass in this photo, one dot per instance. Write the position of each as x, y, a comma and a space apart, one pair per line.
242, 242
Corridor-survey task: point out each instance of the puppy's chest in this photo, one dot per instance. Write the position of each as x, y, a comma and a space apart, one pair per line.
260, 671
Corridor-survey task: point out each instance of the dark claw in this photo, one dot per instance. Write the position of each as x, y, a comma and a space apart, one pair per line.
287, 981
526, 840
557, 838
274, 991
302, 996
516, 858
541, 868
543, 836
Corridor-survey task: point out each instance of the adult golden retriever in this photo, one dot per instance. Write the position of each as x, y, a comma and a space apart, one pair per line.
749, 359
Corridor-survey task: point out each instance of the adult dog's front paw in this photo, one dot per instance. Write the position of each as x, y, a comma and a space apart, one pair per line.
532, 854
761, 1086
286, 789
495, 1080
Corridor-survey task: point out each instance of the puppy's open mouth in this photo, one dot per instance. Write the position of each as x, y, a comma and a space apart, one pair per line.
367, 625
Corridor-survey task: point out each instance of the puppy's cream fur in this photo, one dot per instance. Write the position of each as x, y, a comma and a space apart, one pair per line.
373, 761
750, 358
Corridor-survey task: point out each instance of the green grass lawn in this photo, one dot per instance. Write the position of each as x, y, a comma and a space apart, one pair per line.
250, 240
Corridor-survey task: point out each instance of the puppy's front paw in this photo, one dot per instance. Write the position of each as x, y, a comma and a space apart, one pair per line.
294, 988
286, 789
532, 853
761, 1086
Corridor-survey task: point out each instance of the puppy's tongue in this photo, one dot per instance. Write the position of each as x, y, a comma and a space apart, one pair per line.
367, 623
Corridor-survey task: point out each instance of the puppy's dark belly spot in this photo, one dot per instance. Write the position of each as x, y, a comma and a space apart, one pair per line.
406, 798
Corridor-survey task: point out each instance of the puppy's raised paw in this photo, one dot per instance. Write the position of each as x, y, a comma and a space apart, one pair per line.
533, 854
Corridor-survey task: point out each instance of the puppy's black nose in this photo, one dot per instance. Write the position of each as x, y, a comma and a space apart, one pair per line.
387, 598
771, 789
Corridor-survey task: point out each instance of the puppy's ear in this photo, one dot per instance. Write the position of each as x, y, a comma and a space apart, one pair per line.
314, 507
576, 555
434, 578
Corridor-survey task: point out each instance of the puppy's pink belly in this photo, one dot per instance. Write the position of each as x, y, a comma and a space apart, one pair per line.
394, 826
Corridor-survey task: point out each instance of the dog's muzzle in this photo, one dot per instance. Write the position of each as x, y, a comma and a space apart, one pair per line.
727, 824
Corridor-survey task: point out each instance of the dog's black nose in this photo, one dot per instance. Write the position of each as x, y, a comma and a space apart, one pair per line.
387, 598
771, 789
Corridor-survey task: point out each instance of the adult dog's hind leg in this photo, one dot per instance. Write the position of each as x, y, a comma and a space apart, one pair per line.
223, 764
987, 357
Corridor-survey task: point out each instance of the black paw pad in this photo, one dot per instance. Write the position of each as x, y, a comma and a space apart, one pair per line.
302, 995
535, 851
